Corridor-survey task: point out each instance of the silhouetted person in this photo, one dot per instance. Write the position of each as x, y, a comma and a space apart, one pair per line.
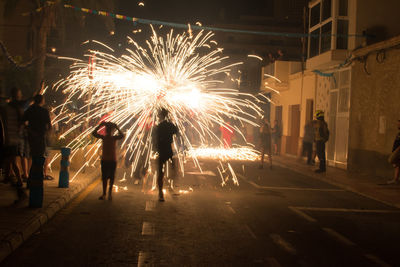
39, 124
163, 133
266, 141
109, 154
321, 136
23, 146
12, 114
276, 137
395, 158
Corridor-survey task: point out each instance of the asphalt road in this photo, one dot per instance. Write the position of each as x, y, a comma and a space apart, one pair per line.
274, 218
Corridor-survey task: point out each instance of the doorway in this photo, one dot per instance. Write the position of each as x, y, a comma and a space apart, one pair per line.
292, 143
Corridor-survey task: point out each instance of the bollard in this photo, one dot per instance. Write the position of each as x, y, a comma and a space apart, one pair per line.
63, 181
36, 182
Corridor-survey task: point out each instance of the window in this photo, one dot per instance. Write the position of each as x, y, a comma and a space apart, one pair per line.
340, 83
328, 30
342, 32
315, 16
314, 43
343, 7
326, 36
326, 9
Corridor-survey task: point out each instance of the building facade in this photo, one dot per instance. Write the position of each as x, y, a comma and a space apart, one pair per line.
346, 40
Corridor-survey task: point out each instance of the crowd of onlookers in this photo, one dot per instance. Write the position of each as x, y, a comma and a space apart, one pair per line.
24, 127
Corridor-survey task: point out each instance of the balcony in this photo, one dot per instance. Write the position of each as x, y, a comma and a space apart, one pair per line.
327, 59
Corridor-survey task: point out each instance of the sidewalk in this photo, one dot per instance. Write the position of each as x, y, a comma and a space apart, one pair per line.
18, 222
369, 186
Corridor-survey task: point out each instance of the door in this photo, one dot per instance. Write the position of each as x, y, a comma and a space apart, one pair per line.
338, 121
309, 109
294, 130
278, 117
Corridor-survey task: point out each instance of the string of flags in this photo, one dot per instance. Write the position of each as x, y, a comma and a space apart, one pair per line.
193, 27
180, 25
200, 27
102, 13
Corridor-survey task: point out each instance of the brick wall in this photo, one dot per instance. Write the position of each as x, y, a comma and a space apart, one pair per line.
375, 109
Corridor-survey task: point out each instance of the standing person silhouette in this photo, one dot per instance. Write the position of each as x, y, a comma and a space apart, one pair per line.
163, 133
109, 155
321, 136
265, 141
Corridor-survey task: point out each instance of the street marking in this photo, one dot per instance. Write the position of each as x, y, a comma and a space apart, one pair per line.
148, 228
283, 244
272, 262
250, 231
143, 259
302, 214
209, 173
339, 237
231, 209
338, 184
295, 188
75, 202
377, 260
150, 205
347, 210
253, 184
290, 188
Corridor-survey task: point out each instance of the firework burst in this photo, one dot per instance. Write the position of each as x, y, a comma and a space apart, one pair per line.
177, 72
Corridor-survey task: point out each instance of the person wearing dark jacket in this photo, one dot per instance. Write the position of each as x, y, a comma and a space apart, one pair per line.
321, 136
164, 133
39, 124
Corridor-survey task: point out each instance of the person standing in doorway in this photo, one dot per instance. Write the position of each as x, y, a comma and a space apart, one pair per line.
321, 136
395, 157
163, 134
266, 142
276, 137
109, 154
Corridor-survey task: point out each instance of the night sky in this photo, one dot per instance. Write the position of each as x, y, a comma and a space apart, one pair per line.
206, 11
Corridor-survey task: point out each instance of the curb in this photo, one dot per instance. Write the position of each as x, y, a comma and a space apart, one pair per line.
15, 239
325, 178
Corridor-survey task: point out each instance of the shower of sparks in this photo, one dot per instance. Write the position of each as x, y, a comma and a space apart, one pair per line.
177, 72
255, 56
237, 153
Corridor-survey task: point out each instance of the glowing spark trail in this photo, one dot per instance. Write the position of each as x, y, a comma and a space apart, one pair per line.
239, 153
177, 72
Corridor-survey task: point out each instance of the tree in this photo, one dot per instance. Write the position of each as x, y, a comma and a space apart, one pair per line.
46, 17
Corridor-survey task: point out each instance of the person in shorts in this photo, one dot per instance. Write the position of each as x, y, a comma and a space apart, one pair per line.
109, 155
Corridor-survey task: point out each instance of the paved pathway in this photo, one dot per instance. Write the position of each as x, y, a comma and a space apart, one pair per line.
18, 222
